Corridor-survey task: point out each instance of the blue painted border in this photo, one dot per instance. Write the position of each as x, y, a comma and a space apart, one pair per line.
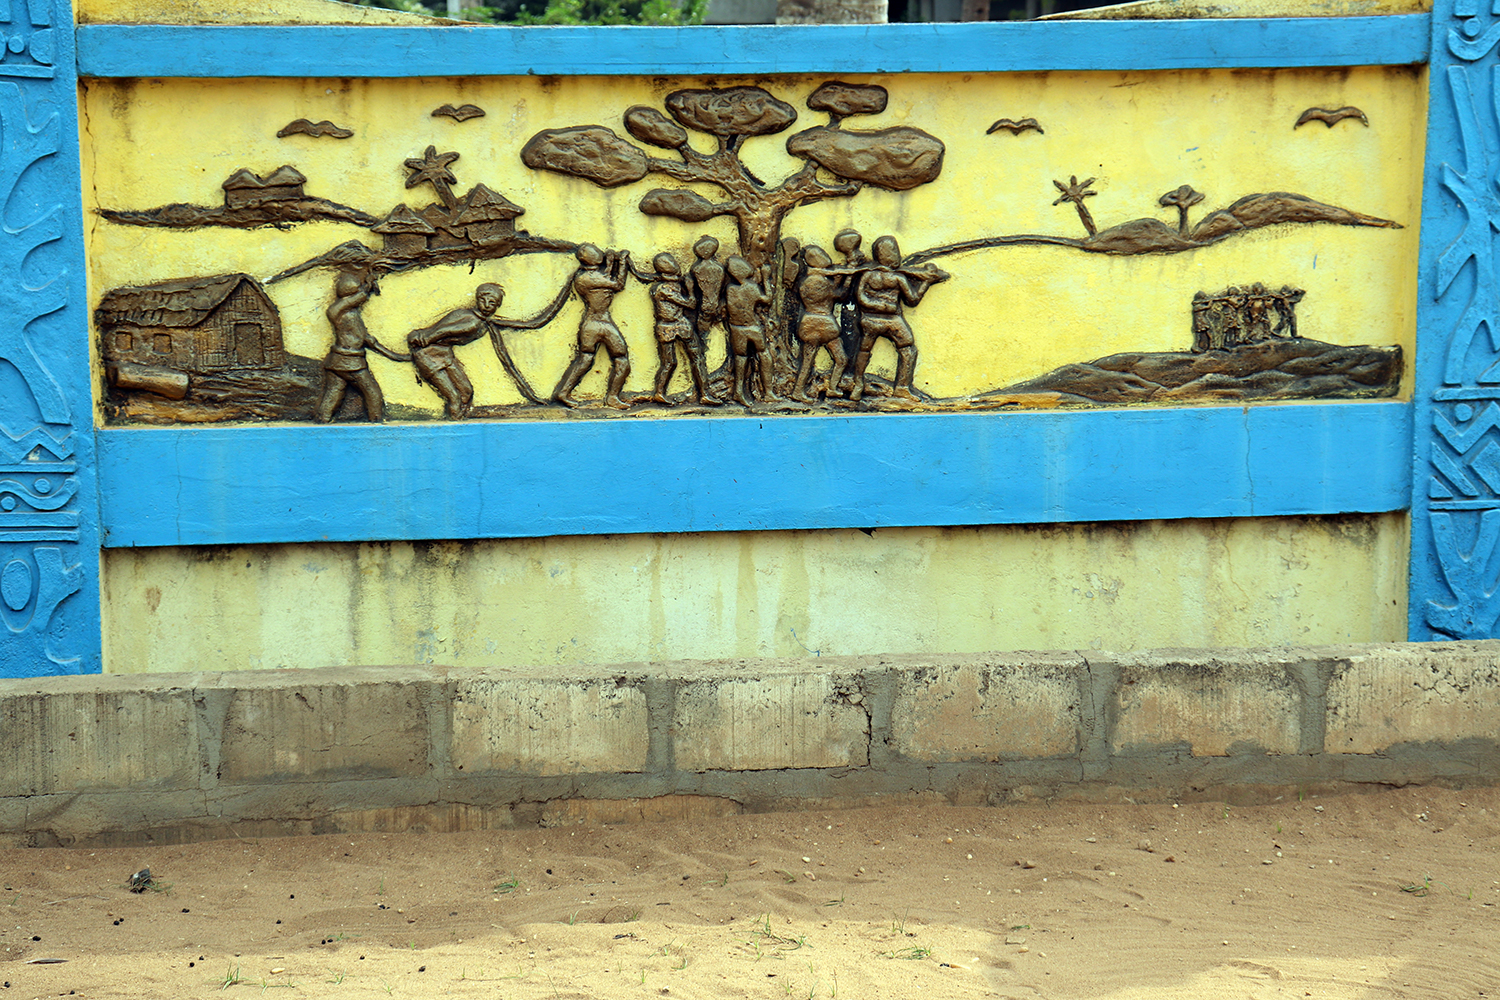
359, 482
312, 51
49, 502
1455, 531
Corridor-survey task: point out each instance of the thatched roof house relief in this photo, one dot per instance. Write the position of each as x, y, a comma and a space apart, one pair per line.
243, 188
405, 233
192, 324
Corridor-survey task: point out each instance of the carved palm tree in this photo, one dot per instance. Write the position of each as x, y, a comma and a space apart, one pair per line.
1182, 199
1076, 192
432, 168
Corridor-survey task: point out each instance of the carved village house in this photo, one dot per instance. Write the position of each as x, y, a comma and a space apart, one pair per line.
243, 189
481, 217
192, 324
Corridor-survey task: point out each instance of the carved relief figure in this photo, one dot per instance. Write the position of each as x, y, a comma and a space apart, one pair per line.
432, 351
670, 301
1238, 316
881, 293
820, 290
847, 243
345, 364
705, 283
600, 276
746, 299
1285, 303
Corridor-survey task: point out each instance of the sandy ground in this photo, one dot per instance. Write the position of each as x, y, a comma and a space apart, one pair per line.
1389, 894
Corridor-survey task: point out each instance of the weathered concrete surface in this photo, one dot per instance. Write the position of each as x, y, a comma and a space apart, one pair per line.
789, 720
558, 606
1392, 695
119, 760
1211, 706
993, 708
324, 727
549, 727
97, 737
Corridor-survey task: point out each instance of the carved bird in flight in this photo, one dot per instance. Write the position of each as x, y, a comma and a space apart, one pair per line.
1331, 117
1014, 127
462, 113
304, 127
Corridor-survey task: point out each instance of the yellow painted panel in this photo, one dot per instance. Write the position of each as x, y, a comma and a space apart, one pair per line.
545, 604
1008, 313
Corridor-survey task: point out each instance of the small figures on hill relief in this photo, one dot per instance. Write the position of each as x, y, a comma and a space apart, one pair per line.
1238, 316
773, 306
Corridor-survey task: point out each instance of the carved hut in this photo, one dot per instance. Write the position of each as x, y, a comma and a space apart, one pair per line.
488, 217
405, 233
243, 189
192, 324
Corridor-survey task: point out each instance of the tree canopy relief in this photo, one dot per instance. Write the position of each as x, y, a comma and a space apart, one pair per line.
798, 319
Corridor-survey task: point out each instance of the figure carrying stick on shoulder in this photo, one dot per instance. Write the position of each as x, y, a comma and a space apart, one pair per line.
597, 281
881, 293
820, 290
346, 364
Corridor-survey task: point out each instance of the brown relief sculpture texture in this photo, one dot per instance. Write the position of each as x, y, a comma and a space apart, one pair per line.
318, 130
798, 322
462, 113
1331, 117
1015, 127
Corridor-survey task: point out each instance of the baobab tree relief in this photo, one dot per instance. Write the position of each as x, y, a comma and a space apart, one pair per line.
897, 159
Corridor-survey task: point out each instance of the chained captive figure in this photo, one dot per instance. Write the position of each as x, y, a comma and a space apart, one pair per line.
600, 276
346, 364
705, 286
880, 294
432, 351
745, 300
820, 290
670, 300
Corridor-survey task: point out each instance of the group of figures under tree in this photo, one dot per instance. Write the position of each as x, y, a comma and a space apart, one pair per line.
843, 310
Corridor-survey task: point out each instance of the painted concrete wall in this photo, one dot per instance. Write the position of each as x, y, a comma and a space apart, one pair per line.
552, 604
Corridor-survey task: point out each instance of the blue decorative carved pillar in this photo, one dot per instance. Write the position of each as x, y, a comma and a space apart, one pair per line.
49, 510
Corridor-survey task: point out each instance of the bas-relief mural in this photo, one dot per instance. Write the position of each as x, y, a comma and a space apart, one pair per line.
795, 320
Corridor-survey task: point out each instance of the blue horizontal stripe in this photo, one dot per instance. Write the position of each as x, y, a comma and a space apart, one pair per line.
106, 50
359, 482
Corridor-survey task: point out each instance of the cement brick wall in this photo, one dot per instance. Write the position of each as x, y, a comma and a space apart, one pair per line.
125, 759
